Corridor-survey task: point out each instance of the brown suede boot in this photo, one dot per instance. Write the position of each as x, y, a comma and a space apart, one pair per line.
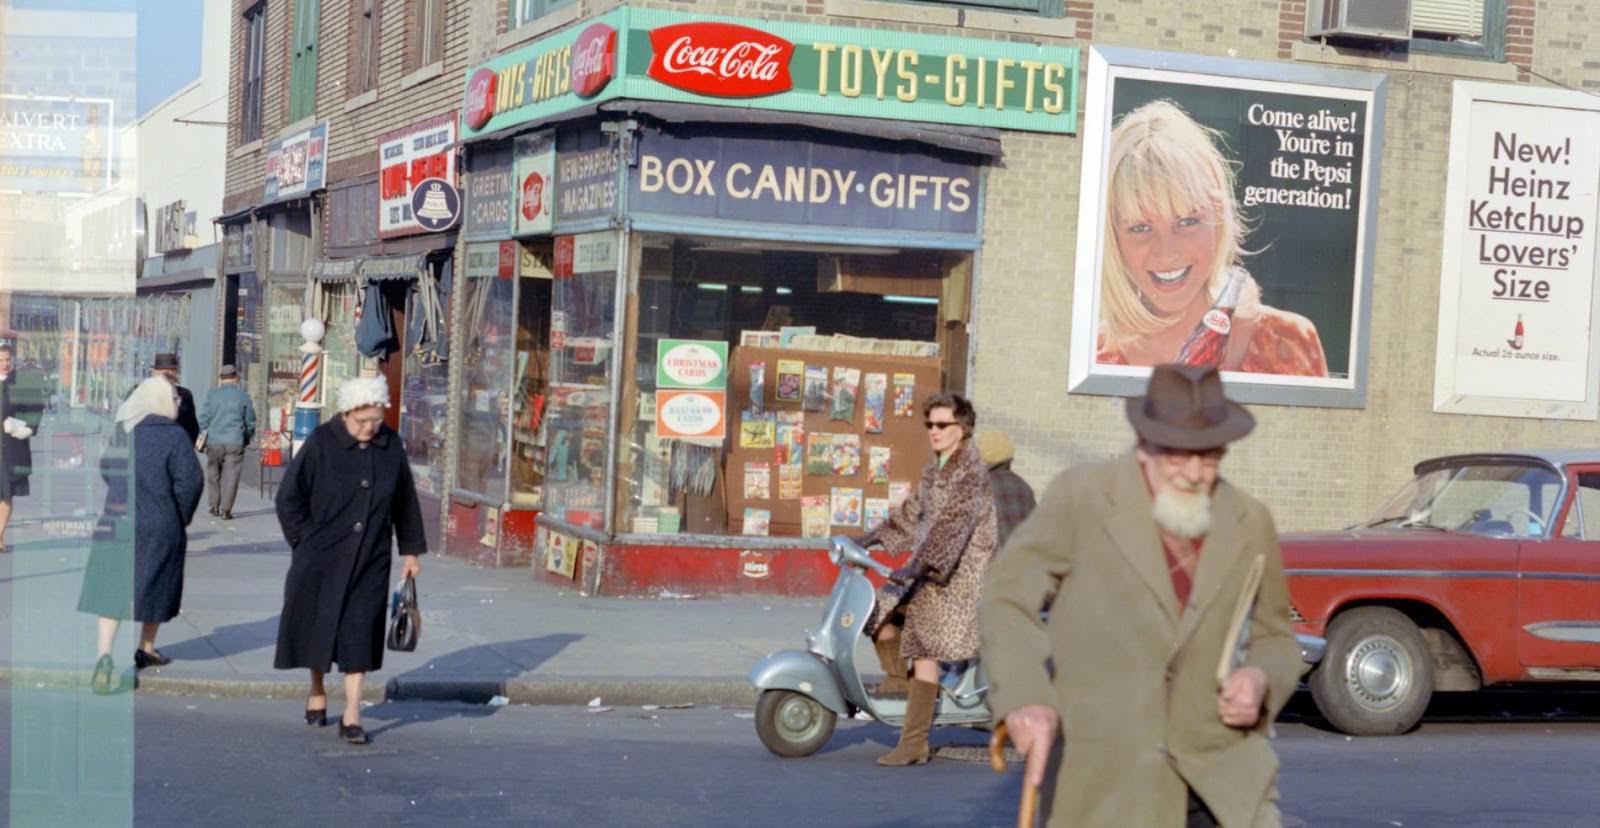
894, 682
913, 747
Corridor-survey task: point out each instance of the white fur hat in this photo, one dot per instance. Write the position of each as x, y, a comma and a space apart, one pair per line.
361, 392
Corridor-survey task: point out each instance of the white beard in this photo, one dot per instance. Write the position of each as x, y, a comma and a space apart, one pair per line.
1185, 514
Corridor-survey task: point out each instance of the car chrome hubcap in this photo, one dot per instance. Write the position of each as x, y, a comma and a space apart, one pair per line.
798, 719
1379, 673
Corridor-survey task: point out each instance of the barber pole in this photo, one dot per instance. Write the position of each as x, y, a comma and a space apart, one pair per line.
308, 408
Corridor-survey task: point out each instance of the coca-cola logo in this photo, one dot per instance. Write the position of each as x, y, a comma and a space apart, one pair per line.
720, 59
1217, 321
480, 98
594, 60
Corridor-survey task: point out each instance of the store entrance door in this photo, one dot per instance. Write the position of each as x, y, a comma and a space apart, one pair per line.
395, 293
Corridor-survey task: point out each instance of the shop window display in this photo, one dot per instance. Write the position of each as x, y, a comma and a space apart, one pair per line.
577, 421
813, 357
488, 358
336, 307
285, 311
424, 404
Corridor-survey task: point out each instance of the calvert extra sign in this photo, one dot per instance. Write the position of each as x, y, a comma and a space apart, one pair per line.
860, 184
651, 54
56, 146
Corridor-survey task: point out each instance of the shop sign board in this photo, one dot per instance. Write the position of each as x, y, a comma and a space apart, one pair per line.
297, 164
54, 145
483, 260
594, 252
1276, 291
691, 414
533, 186
436, 205
856, 183
793, 67
691, 363
238, 247
487, 213
174, 228
1519, 327
586, 183
406, 158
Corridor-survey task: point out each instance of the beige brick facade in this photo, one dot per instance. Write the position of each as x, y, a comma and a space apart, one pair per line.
1315, 467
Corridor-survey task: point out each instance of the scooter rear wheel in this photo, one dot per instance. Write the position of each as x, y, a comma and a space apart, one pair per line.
793, 724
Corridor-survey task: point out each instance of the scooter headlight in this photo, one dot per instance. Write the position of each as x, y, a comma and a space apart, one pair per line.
835, 553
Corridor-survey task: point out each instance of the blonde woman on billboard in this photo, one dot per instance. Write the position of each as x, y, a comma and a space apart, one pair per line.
1172, 288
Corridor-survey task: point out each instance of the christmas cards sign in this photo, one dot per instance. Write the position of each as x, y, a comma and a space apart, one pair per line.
1517, 314
691, 389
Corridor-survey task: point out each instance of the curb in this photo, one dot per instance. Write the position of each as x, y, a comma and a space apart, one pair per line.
727, 692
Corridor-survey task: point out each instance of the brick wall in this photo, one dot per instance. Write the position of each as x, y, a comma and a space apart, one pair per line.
352, 135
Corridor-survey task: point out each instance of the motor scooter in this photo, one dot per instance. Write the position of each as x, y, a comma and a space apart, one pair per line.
803, 692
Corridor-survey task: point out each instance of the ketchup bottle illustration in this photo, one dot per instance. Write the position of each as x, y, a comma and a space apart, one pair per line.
1516, 337
1209, 339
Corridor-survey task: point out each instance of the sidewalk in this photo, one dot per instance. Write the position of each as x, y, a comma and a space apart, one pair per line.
485, 632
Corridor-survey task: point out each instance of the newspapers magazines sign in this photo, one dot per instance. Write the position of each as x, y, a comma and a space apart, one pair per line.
1517, 311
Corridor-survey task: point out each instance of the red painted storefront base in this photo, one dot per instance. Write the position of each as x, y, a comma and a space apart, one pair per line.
510, 533
622, 568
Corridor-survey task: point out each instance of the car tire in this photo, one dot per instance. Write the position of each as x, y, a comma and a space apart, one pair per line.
1376, 676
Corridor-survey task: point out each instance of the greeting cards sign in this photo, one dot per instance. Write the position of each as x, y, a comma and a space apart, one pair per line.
1517, 316
691, 389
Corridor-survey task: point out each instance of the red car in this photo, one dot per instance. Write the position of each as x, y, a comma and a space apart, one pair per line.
1483, 570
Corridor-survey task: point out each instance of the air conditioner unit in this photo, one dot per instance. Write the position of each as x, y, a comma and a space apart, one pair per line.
1371, 19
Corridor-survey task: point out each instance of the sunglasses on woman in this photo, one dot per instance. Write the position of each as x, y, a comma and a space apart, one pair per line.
933, 424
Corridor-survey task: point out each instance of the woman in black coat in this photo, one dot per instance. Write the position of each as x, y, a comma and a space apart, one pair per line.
164, 493
21, 409
346, 498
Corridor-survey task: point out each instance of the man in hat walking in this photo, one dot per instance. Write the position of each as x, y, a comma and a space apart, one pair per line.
1147, 556
229, 419
166, 365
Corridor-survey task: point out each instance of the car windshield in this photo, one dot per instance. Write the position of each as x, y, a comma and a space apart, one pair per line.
1503, 499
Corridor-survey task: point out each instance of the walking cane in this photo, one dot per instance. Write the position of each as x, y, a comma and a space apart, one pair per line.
997, 760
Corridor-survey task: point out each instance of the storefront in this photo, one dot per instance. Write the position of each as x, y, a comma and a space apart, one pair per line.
752, 287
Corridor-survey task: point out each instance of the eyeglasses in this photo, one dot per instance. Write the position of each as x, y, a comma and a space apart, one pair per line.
1180, 457
934, 424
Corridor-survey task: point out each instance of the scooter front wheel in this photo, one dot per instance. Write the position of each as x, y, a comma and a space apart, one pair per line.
793, 724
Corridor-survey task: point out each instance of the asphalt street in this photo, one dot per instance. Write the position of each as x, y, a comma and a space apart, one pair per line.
211, 761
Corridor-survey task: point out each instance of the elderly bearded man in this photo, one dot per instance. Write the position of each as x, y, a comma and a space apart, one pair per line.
1146, 556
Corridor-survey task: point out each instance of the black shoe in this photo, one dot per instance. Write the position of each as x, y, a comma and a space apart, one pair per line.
227, 515
215, 511
101, 684
142, 659
352, 733
317, 718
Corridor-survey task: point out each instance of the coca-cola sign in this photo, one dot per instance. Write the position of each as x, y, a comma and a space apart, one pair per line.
594, 60
720, 59
481, 91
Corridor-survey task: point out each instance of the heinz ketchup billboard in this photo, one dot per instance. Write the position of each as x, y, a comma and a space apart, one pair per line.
649, 54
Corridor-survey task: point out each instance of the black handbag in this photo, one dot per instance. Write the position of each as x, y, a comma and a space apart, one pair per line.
407, 622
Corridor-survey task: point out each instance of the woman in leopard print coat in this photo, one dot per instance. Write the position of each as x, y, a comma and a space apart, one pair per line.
928, 612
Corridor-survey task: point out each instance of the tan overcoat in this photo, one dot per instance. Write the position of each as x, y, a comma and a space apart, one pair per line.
1134, 674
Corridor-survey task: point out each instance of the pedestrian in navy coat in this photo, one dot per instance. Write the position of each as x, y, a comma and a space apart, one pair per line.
346, 498
162, 498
